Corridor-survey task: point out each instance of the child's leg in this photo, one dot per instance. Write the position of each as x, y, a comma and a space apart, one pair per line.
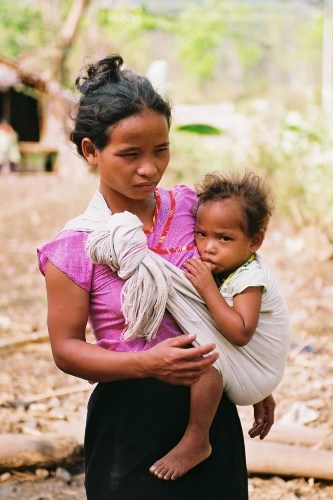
194, 447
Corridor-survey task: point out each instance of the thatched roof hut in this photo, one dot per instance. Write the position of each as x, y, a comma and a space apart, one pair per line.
36, 109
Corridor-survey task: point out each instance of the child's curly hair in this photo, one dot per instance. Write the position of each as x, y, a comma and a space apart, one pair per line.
254, 196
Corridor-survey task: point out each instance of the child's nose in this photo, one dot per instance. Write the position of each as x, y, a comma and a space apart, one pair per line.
210, 246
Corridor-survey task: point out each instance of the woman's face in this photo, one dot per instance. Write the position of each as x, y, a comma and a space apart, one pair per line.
133, 162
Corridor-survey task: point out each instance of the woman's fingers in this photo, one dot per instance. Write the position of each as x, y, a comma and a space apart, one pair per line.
177, 361
183, 341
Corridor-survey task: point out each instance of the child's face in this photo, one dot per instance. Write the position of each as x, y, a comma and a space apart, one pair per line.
220, 238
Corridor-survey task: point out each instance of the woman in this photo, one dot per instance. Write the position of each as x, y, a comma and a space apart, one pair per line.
140, 407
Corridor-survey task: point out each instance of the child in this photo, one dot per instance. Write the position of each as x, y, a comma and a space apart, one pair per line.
231, 220
232, 216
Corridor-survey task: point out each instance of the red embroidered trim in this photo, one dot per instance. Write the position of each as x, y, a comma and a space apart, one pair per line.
168, 222
158, 249
163, 251
156, 211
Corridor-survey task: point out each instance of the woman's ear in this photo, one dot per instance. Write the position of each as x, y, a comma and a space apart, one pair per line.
257, 240
89, 151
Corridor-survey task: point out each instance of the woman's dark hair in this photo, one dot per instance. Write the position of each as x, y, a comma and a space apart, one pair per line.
250, 189
110, 94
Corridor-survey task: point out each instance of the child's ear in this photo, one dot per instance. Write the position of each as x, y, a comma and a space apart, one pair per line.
89, 151
257, 240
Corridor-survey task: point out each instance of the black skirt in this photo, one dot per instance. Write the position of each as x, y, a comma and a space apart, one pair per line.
132, 423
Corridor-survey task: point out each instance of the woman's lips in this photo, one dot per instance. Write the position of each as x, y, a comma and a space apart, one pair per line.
146, 186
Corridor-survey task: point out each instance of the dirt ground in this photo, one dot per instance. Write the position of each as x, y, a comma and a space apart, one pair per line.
34, 208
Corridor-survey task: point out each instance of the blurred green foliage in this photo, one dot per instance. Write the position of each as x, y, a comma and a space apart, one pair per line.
221, 49
21, 27
135, 18
295, 153
217, 51
200, 31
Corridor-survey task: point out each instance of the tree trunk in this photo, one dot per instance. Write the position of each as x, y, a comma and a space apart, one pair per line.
68, 33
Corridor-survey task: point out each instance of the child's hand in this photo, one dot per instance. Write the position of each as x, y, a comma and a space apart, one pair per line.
263, 417
199, 273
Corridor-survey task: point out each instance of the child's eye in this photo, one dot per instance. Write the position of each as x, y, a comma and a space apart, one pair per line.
225, 238
200, 233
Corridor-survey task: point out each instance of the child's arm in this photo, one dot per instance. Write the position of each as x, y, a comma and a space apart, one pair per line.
263, 417
237, 323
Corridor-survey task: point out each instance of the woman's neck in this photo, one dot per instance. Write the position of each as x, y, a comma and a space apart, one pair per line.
143, 209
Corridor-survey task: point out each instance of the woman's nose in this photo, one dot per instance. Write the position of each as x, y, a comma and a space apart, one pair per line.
147, 168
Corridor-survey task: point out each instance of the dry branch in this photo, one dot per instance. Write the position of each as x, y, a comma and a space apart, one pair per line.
22, 451
46, 395
300, 435
284, 460
25, 339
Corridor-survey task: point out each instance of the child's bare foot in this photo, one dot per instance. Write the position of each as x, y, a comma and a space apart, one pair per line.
187, 454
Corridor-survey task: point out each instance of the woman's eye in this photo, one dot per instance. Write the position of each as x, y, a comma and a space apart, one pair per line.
162, 150
130, 155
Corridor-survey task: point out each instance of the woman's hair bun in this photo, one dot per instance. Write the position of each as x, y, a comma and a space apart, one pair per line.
98, 74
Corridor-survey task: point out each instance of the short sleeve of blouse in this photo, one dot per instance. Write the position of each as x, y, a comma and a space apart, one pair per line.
252, 275
187, 195
67, 253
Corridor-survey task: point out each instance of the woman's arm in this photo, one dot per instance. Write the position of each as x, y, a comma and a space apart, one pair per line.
172, 360
237, 323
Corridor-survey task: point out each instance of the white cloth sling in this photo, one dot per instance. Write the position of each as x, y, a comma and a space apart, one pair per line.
153, 284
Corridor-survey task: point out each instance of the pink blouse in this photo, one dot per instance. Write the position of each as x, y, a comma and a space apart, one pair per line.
172, 236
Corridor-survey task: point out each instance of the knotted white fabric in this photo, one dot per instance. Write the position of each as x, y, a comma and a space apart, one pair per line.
123, 247
153, 284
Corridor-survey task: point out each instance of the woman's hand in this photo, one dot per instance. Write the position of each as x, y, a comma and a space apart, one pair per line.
176, 361
263, 417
